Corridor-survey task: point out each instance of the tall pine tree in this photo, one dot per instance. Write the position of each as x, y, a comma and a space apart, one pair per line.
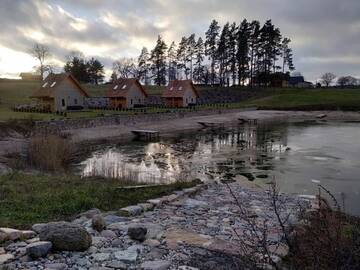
199, 69
158, 60
211, 47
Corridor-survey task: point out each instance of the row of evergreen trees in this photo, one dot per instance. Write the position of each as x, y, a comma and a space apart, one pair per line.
236, 54
85, 71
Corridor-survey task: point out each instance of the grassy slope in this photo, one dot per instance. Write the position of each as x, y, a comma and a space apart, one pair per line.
306, 98
28, 199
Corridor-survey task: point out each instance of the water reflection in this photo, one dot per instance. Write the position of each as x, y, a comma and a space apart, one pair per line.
206, 156
299, 157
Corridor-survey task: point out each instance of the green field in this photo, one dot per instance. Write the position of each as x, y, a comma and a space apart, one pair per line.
26, 199
14, 92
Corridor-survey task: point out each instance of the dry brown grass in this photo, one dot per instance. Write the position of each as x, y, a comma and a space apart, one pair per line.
50, 152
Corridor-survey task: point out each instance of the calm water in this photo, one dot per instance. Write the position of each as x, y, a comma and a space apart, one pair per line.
297, 156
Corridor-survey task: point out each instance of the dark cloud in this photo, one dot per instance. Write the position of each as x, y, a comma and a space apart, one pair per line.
325, 33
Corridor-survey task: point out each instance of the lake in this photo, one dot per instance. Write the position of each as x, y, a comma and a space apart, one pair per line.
298, 156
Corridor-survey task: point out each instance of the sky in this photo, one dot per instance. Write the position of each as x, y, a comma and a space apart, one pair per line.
325, 34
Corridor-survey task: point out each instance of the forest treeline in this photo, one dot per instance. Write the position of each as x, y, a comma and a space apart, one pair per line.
236, 54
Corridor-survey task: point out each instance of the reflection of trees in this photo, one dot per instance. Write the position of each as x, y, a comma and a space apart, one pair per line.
206, 155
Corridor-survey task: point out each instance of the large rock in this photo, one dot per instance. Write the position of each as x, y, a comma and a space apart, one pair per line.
38, 249
90, 213
66, 236
155, 265
98, 223
127, 256
137, 232
133, 210
110, 219
10, 234
5, 258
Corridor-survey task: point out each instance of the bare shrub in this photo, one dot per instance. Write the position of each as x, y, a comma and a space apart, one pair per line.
327, 239
50, 152
322, 238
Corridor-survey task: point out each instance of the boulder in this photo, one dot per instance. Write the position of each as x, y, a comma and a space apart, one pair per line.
137, 232
108, 234
98, 223
5, 258
155, 265
90, 213
127, 256
38, 227
2, 237
133, 210
10, 234
110, 219
38, 249
65, 236
28, 234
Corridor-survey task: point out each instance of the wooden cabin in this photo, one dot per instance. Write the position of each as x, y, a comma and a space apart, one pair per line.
180, 93
126, 93
61, 92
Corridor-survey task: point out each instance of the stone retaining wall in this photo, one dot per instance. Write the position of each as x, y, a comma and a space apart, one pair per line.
58, 126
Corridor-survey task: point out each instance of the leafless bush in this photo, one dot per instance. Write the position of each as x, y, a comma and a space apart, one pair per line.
322, 238
50, 152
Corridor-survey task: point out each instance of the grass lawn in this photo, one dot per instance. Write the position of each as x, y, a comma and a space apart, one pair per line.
27, 199
307, 98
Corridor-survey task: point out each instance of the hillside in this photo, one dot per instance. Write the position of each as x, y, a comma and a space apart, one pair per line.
13, 92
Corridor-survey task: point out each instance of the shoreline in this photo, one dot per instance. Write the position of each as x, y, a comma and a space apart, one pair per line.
16, 144
169, 127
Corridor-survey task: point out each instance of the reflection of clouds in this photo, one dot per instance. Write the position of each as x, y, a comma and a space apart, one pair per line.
162, 162
114, 164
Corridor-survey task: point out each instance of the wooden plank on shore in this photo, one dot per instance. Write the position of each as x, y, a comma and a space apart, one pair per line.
210, 124
140, 187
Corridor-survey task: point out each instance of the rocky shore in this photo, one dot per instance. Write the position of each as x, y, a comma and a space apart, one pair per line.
197, 228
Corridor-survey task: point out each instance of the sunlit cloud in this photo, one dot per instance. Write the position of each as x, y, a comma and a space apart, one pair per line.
325, 33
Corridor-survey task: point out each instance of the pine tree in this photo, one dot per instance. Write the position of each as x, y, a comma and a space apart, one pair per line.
211, 42
172, 63
286, 54
158, 59
223, 53
232, 50
95, 71
242, 54
182, 57
253, 48
199, 69
190, 53
270, 39
143, 65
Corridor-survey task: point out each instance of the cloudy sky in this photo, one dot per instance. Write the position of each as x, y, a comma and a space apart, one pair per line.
325, 33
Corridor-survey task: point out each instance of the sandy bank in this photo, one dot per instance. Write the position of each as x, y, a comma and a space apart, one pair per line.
167, 127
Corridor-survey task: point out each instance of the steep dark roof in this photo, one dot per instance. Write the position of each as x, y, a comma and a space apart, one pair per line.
177, 88
52, 81
121, 87
296, 80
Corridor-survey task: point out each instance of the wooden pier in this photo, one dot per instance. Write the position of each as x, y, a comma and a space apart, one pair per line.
247, 120
146, 134
211, 124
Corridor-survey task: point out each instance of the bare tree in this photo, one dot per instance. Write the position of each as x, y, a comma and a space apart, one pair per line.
327, 78
41, 52
126, 68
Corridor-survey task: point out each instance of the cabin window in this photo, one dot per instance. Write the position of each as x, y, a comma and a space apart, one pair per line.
53, 84
116, 87
124, 86
63, 102
75, 101
171, 88
180, 88
139, 101
45, 84
131, 101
